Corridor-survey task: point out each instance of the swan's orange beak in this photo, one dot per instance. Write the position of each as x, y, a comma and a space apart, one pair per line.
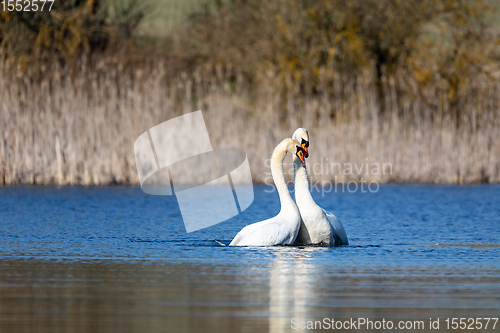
306, 154
305, 145
301, 156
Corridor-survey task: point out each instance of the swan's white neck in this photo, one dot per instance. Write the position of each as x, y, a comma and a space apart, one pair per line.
302, 193
277, 158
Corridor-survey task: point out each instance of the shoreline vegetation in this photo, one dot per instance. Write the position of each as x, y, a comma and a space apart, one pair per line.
416, 89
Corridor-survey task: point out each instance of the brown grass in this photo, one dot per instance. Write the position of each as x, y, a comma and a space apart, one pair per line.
80, 129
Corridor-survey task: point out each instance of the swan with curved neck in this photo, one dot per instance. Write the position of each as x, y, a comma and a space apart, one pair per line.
284, 227
318, 227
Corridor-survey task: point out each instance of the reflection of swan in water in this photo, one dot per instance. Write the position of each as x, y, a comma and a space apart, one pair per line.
284, 227
291, 285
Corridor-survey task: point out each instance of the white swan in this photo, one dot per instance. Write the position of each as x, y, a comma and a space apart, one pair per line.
318, 227
284, 227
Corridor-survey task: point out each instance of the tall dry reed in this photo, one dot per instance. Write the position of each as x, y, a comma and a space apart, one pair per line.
80, 128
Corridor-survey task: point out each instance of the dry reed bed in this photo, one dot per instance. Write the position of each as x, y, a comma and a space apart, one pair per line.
81, 129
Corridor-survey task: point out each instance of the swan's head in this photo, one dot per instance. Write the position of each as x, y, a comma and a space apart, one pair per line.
294, 147
301, 135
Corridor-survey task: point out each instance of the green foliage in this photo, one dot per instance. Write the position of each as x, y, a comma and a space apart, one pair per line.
70, 29
299, 44
286, 48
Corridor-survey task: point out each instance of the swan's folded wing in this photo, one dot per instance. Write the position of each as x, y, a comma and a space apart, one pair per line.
338, 228
266, 233
246, 232
269, 234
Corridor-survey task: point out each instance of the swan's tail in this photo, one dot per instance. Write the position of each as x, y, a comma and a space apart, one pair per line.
220, 243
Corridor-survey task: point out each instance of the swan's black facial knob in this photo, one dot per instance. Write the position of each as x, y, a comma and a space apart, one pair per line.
305, 146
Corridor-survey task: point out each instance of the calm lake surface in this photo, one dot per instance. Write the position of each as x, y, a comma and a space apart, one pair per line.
113, 259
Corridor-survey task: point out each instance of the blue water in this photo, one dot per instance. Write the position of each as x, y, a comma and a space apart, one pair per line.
115, 259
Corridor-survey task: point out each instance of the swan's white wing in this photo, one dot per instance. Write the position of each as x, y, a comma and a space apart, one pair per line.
339, 235
266, 233
246, 231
